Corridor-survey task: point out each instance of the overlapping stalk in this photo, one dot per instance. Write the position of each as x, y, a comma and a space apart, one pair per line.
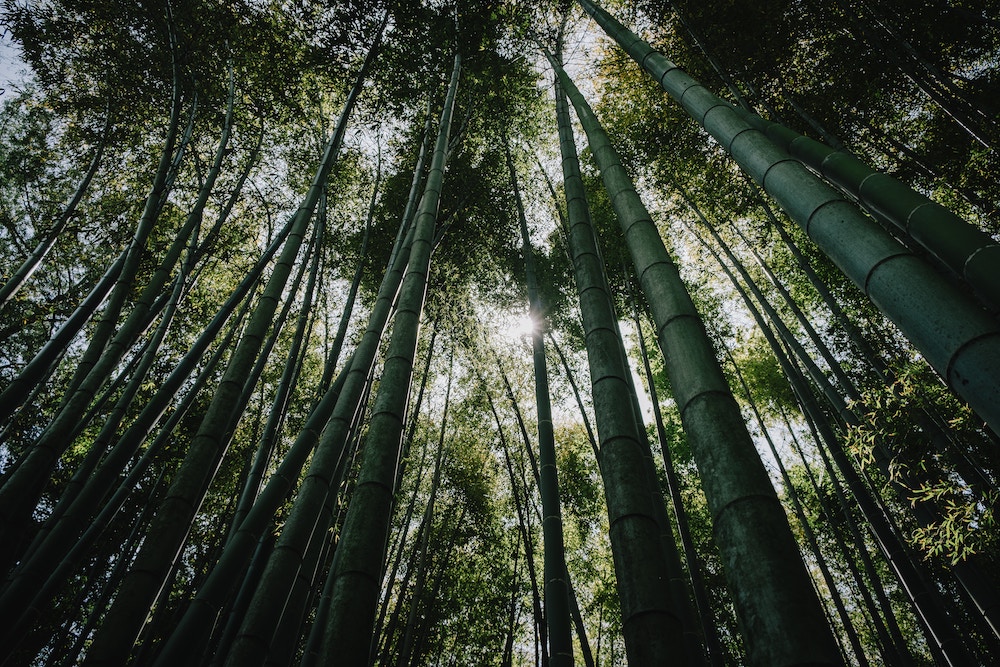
169, 527
970, 253
956, 336
557, 611
780, 614
651, 624
357, 568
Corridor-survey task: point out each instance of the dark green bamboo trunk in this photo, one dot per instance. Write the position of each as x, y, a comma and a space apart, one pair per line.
102, 356
653, 631
268, 439
287, 635
404, 527
781, 617
941, 631
357, 567
792, 493
326, 430
122, 271
419, 564
966, 571
21, 490
694, 566
322, 479
333, 355
557, 612
968, 252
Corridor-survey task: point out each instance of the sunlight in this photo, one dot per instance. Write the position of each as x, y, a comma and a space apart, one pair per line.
516, 326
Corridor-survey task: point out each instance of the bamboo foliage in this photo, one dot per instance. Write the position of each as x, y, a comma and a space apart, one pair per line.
22, 488
34, 261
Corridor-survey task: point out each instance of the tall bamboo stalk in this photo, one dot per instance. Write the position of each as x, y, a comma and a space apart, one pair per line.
651, 624
357, 568
782, 619
557, 610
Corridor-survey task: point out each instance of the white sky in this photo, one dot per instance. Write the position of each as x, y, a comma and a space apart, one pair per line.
12, 68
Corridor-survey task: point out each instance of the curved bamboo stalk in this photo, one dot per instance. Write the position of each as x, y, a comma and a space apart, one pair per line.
34, 261
968, 252
196, 625
59, 535
20, 493
954, 334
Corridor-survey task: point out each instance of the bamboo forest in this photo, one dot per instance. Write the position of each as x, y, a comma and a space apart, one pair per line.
504, 333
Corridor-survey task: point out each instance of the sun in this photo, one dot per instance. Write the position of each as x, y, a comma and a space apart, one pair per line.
517, 326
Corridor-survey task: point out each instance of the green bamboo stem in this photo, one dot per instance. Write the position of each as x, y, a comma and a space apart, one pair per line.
523, 522
59, 535
940, 631
199, 619
653, 630
970, 253
782, 619
704, 609
268, 439
419, 565
28, 480
793, 494
324, 471
358, 565
557, 612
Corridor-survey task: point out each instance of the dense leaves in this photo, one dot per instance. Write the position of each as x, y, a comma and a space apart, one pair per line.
910, 87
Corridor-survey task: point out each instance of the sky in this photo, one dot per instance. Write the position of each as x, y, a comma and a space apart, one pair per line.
12, 68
